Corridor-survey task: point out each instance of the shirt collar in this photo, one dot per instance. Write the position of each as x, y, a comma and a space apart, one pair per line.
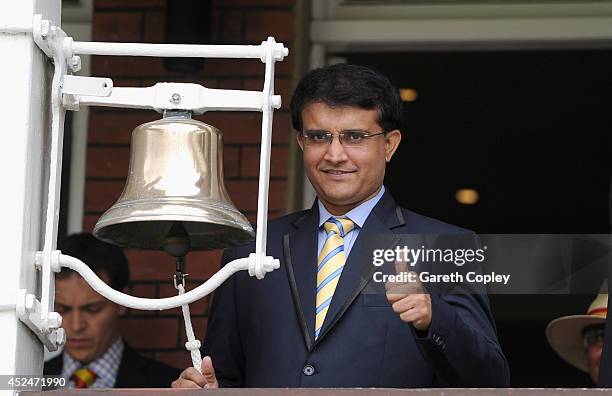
358, 214
105, 366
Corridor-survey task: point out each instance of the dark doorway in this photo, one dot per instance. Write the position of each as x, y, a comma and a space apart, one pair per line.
62, 229
531, 131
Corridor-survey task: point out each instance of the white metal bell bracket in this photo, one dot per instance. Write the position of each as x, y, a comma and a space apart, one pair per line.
70, 92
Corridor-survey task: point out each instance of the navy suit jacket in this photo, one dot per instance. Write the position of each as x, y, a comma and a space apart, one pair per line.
135, 371
261, 332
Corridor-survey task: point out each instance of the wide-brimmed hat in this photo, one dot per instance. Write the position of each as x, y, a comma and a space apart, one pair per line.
565, 334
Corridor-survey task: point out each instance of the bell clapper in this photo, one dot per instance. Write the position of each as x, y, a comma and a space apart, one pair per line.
177, 244
179, 274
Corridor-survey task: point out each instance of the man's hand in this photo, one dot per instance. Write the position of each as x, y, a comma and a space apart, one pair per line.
410, 299
191, 378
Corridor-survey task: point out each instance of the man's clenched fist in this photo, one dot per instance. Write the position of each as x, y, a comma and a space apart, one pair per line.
410, 300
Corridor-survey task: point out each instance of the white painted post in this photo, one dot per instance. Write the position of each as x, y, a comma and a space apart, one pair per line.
25, 81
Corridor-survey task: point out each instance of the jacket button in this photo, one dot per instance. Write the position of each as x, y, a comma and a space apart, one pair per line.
308, 370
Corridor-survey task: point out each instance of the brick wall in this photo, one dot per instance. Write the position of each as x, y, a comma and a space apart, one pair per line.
161, 334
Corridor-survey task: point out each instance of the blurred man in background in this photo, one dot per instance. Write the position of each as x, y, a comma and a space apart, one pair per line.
95, 354
579, 339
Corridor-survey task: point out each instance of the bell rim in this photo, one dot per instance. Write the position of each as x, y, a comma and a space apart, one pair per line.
202, 211
178, 204
237, 237
166, 217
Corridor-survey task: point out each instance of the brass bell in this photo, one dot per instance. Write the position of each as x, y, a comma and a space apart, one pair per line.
174, 198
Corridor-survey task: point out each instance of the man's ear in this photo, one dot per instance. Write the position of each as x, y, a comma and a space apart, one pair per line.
392, 141
300, 143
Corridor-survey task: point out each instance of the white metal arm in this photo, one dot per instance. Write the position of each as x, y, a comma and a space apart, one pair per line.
152, 304
176, 96
175, 50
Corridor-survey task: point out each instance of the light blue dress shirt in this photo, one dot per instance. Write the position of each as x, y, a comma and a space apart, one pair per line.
105, 366
358, 215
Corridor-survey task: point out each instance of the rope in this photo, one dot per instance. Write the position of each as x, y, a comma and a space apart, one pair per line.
192, 345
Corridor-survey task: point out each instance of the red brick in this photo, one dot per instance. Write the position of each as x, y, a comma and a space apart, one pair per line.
129, 3
282, 131
203, 264
229, 83
89, 221
101, 194
109, 127
150, 265
121, 82
237, 127
244, 194
130, 66
199, 330
262, 24
196, 308
178, 359
143, 290
253, 3
278, 162
232, 26
127, 66
233, 67
154, 27
107, 162
246, 67
117, 26
231, 161
245, 127
150, 333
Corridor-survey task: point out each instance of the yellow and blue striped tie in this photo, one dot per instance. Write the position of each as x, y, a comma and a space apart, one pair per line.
331, 262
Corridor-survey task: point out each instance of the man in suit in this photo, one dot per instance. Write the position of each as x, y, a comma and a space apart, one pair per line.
95, 355
578, 339
310, 323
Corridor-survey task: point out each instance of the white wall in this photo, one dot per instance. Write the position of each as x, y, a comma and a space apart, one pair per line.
25, 73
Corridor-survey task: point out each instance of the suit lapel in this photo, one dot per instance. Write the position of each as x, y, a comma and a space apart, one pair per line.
300, 253
55, 365
131, 372
357, 271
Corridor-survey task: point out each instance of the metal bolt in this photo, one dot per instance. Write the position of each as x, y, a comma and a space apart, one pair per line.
29, 303
75, 63
176, 98
60, 337
54, 320
45, 27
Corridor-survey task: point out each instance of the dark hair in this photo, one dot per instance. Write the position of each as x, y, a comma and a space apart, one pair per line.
101, 257
348, 85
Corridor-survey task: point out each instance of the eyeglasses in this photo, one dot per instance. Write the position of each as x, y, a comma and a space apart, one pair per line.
349, 137
594, 335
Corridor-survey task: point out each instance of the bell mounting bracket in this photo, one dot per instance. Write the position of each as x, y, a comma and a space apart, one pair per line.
69, 92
